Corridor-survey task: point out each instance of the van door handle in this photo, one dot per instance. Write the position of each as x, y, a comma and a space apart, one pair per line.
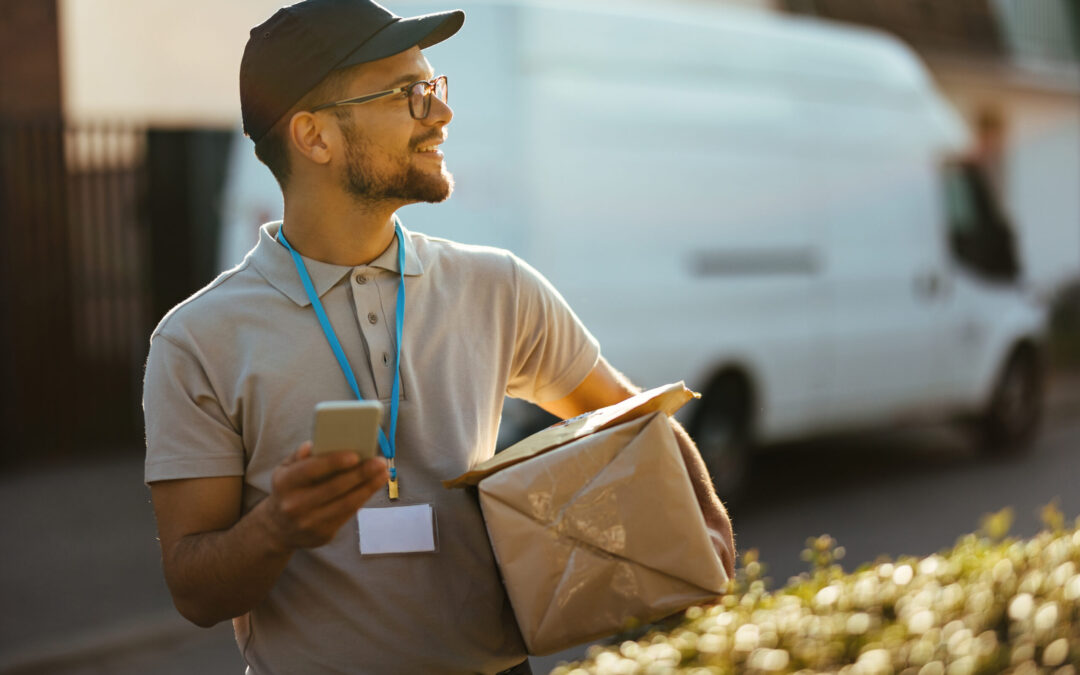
929, 285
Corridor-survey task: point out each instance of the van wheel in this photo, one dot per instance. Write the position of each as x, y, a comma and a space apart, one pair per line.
1009, 424
721, 431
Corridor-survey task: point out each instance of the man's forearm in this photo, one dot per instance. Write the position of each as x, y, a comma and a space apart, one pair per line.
220, 564
716, 517
215, 576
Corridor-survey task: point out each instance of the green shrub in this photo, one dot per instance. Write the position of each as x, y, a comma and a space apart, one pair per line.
989, 605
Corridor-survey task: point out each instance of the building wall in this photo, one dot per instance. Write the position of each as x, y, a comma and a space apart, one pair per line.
29, 59
162, 63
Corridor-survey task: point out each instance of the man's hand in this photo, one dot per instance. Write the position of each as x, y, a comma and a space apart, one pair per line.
219, 563
312, 497
716, 517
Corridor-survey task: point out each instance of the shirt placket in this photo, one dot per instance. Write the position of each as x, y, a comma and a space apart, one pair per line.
375, 317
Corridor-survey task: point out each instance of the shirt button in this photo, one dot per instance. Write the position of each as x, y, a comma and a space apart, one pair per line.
372, 319
385, 359
361, 279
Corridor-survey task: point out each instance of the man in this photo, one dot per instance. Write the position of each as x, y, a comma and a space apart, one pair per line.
341, 301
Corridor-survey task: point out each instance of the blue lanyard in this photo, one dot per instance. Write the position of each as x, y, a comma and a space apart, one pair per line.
386, 444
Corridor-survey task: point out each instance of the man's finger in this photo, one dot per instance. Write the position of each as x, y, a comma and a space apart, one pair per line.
308, 470
340, 510
341, 483
351, 502
375, 476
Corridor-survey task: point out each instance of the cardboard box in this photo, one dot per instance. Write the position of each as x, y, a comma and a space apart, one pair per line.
595, 526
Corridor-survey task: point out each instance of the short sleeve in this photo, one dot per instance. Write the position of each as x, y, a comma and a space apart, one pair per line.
188, 434
553, 351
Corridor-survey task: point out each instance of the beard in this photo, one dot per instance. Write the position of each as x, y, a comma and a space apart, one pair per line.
401, 180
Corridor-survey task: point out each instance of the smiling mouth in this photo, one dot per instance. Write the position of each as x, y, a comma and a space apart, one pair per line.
428, 148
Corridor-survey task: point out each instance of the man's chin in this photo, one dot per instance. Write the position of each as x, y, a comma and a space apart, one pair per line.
412, 187
434, 189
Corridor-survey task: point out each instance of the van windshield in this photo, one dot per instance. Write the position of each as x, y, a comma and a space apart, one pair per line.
980, 238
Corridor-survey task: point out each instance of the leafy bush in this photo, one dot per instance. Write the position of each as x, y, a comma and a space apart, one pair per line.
989, 605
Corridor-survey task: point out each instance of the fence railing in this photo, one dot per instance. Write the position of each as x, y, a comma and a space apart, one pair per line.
90, 220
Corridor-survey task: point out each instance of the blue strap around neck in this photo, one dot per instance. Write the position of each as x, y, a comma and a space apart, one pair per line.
387, 443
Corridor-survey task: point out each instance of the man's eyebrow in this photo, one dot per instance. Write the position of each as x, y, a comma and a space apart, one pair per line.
406, 79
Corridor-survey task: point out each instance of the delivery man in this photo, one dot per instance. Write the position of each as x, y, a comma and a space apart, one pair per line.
340, 301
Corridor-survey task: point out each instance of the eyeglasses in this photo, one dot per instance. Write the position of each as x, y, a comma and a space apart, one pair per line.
419, 96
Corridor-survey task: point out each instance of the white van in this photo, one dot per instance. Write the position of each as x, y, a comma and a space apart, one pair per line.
771, 208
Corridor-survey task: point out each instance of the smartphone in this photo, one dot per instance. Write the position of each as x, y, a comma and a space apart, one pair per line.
347, 425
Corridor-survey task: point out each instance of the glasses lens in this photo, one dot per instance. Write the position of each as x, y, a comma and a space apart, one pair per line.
420, 96
419, 103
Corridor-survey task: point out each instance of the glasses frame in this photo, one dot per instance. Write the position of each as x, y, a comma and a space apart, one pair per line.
430, 87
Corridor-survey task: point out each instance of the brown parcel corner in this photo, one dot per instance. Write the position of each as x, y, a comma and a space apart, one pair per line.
601, 532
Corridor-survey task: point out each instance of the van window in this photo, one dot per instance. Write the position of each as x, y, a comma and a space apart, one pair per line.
980, 238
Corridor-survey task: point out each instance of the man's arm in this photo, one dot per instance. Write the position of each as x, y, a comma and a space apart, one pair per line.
606, 386
219, 563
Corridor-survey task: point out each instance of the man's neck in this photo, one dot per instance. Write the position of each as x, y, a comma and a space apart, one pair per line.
347, 233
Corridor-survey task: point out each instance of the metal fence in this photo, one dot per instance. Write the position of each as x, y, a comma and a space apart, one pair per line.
99, 237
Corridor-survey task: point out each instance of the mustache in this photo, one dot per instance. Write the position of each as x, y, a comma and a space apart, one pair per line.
437, 136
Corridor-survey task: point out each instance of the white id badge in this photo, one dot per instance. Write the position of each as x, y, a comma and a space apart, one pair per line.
391, 530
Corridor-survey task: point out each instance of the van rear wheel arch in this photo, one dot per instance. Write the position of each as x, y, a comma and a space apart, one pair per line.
1014, 407
722, 428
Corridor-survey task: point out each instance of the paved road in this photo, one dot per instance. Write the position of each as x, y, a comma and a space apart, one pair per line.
905, 493
82, 593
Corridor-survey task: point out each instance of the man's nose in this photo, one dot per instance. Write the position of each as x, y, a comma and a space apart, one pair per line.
440, 113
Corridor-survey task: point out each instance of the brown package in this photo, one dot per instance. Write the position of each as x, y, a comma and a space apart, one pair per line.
602, 532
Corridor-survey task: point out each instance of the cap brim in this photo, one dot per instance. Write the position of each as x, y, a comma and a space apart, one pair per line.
417, 31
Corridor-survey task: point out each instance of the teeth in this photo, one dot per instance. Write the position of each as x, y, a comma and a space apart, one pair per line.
430, 148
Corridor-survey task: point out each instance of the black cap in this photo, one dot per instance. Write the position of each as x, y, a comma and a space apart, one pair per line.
292, 51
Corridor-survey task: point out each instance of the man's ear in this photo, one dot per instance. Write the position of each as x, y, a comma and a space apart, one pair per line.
311, 137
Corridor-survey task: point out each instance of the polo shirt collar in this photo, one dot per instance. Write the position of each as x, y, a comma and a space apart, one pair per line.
276, 265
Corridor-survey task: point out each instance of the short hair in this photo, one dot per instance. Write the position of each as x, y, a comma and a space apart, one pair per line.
272, 149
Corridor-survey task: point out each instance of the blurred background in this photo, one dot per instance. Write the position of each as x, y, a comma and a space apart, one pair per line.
853, 225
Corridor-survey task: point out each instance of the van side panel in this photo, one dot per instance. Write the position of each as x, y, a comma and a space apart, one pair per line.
886, 276
684, 240
709, 187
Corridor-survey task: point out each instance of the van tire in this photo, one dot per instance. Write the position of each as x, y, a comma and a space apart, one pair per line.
721, 430
1012, 416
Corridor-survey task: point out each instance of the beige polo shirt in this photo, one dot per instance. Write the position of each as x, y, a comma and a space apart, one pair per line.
232, 379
